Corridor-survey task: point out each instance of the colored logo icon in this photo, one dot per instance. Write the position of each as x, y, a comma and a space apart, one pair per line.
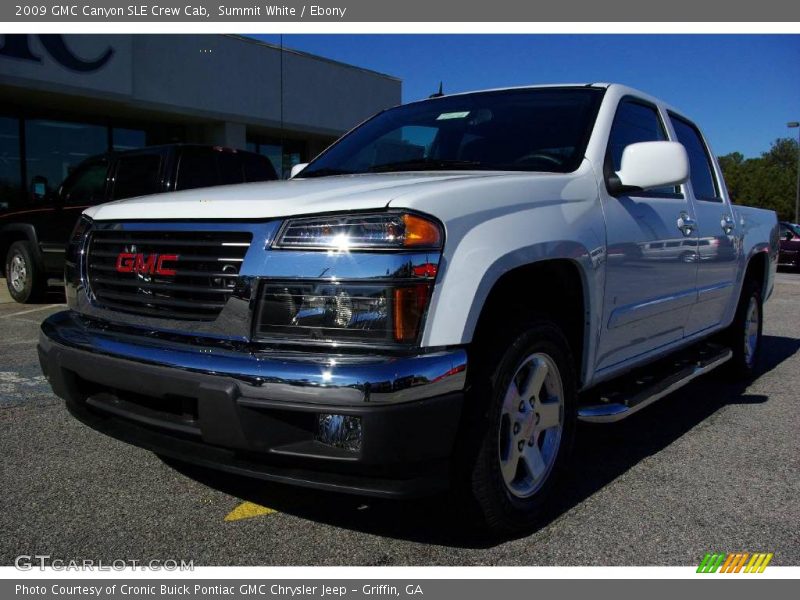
734, 562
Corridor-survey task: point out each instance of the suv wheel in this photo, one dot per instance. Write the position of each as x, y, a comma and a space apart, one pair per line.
527, 429
24, 279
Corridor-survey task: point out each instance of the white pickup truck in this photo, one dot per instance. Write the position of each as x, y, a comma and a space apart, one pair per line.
432, 303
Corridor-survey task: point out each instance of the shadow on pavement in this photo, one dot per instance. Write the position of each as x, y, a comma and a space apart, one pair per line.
601, 454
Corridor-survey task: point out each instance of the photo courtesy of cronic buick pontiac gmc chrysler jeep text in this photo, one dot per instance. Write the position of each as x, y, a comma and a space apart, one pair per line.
432, 303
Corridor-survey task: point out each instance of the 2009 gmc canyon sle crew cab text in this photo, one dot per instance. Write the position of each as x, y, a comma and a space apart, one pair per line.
432, 303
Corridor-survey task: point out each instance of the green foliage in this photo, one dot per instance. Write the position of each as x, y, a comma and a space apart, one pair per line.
769, 181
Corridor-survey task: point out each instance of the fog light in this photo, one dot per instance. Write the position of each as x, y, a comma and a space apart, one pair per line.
339, 431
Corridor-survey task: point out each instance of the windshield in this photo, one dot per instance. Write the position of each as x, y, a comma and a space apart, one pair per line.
544, 129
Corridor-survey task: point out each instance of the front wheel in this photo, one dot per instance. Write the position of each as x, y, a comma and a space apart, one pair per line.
527, 427
24, 278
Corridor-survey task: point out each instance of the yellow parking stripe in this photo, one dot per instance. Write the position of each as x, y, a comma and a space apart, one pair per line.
248, 510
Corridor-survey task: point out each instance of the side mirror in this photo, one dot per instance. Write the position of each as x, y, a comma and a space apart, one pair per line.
649, 165
788, 236
296, 170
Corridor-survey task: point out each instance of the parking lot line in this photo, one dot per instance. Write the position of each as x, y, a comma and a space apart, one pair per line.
25, 312
248, 510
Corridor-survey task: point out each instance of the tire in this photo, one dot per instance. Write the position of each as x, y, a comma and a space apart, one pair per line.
516, 460
743, 336
24, 278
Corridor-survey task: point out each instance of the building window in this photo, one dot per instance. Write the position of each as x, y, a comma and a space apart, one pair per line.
54, 148
282, 156
10, 164
274, 154
128, 139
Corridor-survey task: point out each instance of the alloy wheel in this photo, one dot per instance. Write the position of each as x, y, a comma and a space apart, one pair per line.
531, 425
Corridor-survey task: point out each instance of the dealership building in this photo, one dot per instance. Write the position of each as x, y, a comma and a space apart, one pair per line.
64, 98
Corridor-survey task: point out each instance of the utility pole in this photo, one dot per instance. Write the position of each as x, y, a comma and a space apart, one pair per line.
791, 125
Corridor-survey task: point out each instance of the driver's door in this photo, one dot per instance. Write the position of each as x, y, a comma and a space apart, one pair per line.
84, 187
650, 260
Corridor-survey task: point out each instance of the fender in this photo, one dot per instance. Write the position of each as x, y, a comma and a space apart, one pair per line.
497, 225
755, 231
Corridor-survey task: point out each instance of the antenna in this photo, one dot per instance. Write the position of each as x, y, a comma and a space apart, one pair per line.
281, 106
438, 94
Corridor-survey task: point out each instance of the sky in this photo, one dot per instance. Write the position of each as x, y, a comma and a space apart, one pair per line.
740, 89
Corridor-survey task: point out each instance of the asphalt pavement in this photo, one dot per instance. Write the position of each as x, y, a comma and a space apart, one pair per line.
713, 467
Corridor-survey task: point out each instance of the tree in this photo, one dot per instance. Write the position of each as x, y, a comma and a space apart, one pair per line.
768, 181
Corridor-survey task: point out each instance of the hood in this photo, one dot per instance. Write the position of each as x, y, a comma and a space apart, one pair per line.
283, 198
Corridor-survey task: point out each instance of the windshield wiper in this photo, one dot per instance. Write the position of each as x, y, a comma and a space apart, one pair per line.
425, 164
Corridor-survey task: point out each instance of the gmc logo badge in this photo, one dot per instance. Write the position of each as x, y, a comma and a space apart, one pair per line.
145, 264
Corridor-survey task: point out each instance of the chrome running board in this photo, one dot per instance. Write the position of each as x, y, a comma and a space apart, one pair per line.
617, 406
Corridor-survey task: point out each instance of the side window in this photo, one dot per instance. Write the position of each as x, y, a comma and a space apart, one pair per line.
86, 185
197, 168
704, 184
230, 168
257, 168
137, 175
636, 122
206, 167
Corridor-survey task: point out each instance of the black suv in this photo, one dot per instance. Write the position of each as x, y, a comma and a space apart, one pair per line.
33, 239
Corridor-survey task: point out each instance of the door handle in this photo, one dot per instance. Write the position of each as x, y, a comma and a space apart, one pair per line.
727, 224
686, 224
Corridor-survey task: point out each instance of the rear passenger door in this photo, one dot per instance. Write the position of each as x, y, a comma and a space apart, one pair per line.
650, 269
718, 248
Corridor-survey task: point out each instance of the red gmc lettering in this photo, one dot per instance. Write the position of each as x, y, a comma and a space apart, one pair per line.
149, 264
160, 269
145, 265
125, 262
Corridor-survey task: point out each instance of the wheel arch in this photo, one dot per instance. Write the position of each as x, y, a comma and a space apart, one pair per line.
567, 302
757, 269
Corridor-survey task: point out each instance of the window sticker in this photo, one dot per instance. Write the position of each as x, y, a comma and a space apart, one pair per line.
452, 115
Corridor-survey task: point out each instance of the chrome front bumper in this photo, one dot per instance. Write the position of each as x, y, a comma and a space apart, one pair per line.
288, 376
254, 411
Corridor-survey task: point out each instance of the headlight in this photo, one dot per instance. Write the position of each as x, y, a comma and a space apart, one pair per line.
378, 313
361, 231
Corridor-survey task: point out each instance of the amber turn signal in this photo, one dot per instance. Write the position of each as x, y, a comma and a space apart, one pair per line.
409, 308
420, 231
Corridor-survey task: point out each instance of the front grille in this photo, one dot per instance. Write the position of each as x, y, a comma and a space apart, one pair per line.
197, 277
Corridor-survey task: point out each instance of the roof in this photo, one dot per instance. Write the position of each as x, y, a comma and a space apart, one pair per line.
622, 89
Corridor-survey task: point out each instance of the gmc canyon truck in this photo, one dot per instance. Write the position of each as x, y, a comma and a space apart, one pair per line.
433, 303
